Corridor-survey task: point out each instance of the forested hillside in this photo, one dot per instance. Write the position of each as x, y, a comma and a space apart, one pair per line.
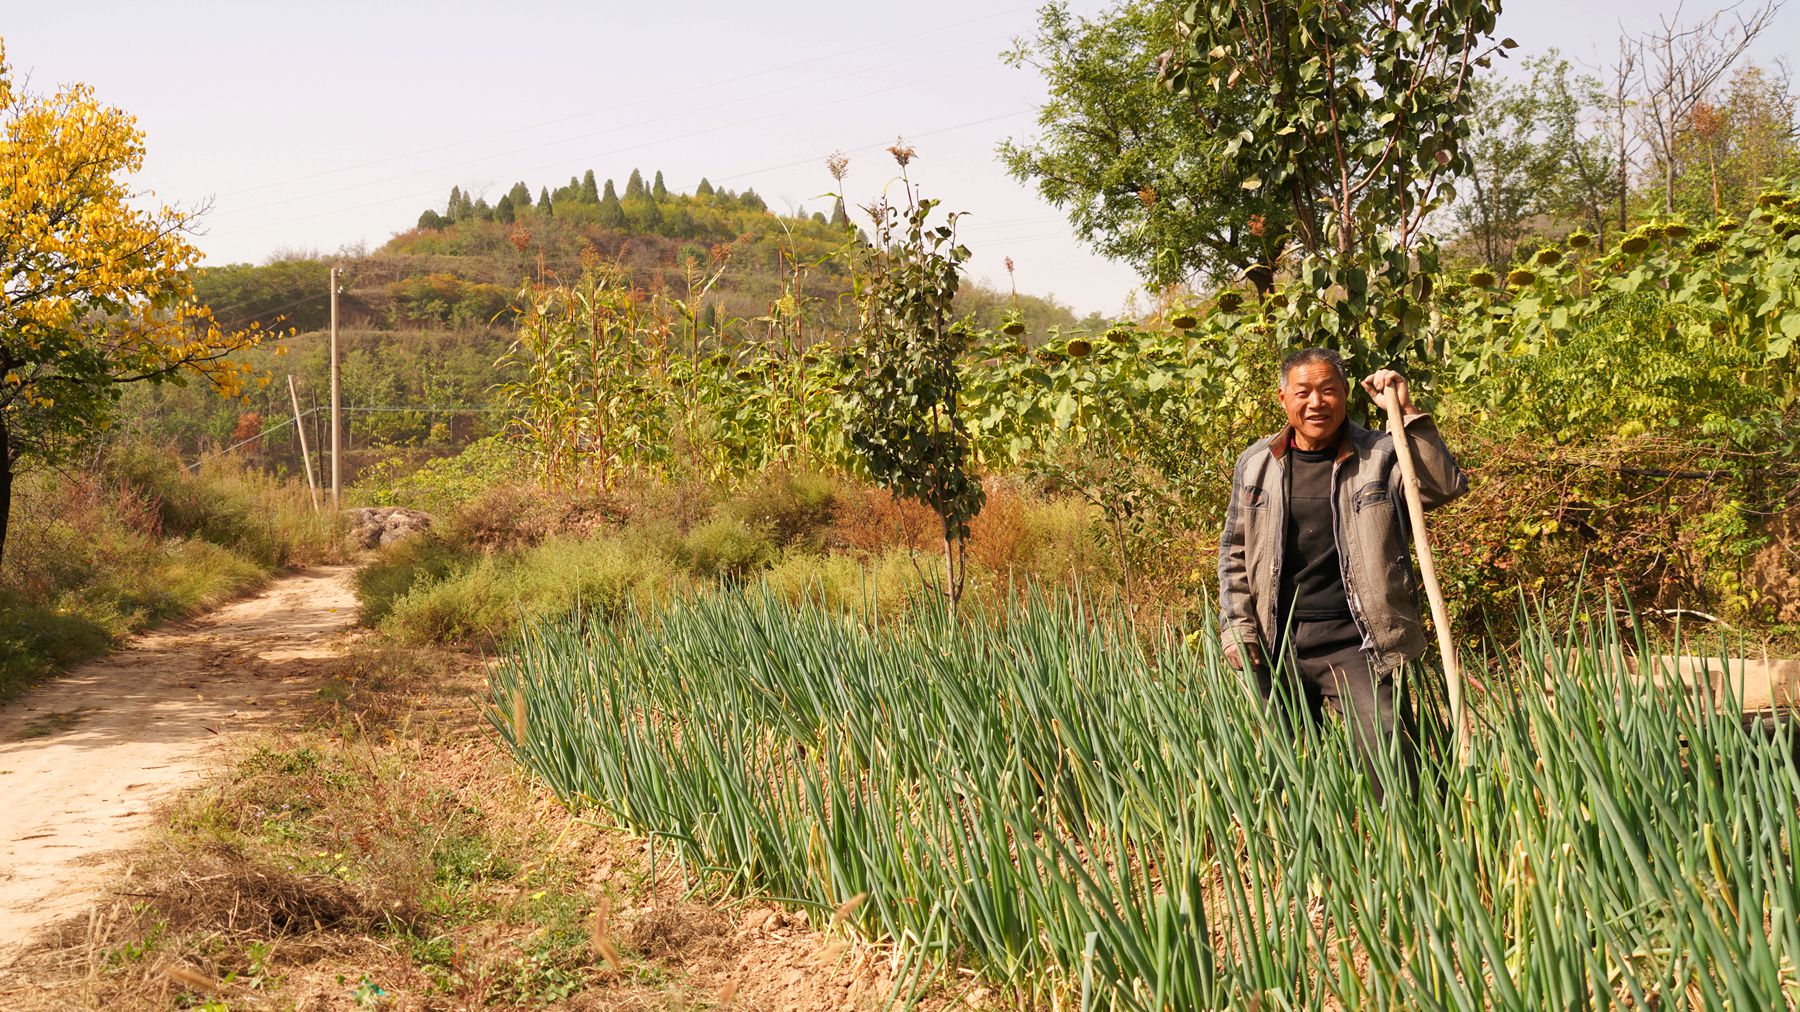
425, 318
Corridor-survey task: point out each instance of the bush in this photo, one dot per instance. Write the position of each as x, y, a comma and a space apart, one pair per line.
442, 484
726, 548
793, 507
885, 586
484, 598
402, 567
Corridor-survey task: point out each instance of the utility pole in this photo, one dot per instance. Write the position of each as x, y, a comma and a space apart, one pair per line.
337, 435
305, 457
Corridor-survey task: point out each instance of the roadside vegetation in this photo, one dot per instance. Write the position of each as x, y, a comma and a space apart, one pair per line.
132, 538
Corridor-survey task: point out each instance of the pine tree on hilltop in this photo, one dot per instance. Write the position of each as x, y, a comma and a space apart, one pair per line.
657, 189
503, 209
705, 188
590, 191
653, 218
838, 218
521, 195
460, 206
750, 201
634, 187
543, 204
612, 213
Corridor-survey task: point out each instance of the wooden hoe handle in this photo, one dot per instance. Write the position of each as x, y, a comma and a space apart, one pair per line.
1440, 616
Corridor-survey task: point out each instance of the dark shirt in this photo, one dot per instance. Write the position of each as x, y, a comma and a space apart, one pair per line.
1312, 585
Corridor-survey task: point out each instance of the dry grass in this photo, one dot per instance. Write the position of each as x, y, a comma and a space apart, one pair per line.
387, 854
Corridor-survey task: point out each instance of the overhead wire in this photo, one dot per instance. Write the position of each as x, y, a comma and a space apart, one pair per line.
692, 89
616, 128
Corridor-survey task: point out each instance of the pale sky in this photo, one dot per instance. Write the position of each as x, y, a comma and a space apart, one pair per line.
318, 126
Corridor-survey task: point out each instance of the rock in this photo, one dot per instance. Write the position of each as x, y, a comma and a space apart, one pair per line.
380, 526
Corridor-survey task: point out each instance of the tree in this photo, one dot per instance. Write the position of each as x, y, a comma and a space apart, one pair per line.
612, 213
98, 293
503, 209
543, 204
705, 189
1355, 113
634, 186
648, 217
1576, 115
1731, 146
1537, 151
1141, 175
751, 202
521, 196
432, 220
590, 193
1677, 68
657, 189
1506, 169
902, 397
459, 207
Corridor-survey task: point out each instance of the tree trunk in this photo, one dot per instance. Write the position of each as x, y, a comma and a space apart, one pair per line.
6, 482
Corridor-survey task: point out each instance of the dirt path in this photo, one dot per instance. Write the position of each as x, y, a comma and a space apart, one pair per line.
85, 759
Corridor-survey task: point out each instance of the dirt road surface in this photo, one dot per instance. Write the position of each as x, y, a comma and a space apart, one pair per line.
85, 759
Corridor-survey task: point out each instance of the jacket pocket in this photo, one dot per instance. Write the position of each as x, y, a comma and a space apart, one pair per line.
1252, 497
1372, 495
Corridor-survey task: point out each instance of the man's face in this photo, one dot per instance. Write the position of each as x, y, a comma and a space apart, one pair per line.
1315, 399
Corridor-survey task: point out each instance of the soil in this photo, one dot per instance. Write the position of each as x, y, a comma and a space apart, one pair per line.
86, 760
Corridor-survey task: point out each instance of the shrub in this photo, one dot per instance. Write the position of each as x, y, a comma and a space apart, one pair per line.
726, 548
486, 597
793, 507
401, 568
884, 586
88, 562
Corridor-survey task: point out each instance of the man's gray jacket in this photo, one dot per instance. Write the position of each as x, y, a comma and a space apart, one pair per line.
1369, 522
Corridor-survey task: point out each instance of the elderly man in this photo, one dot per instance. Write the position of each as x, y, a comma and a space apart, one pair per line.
1314, 567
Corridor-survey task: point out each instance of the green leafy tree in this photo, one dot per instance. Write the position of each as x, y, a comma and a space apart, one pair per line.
432, 220
1509, 169
705, 189
521, 195
543, 203
590, 191
904, 421
657, 189
1578, 120
612, 213
1355, 113
634, 185
1142, 176
459, 207
649, 217
503, 210
751, 202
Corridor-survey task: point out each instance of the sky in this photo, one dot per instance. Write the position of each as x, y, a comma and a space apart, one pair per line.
320, 127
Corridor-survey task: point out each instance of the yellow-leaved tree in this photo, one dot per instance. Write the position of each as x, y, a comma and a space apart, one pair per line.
94, 292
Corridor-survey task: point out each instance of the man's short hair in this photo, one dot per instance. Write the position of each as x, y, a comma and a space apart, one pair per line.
1310, 356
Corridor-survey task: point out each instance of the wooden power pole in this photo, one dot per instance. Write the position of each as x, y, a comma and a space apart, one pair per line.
337, 434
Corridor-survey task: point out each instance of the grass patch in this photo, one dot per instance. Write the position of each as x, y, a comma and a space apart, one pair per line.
135, 540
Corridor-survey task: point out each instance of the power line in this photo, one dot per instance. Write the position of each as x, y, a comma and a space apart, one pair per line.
492, 155
698, 88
